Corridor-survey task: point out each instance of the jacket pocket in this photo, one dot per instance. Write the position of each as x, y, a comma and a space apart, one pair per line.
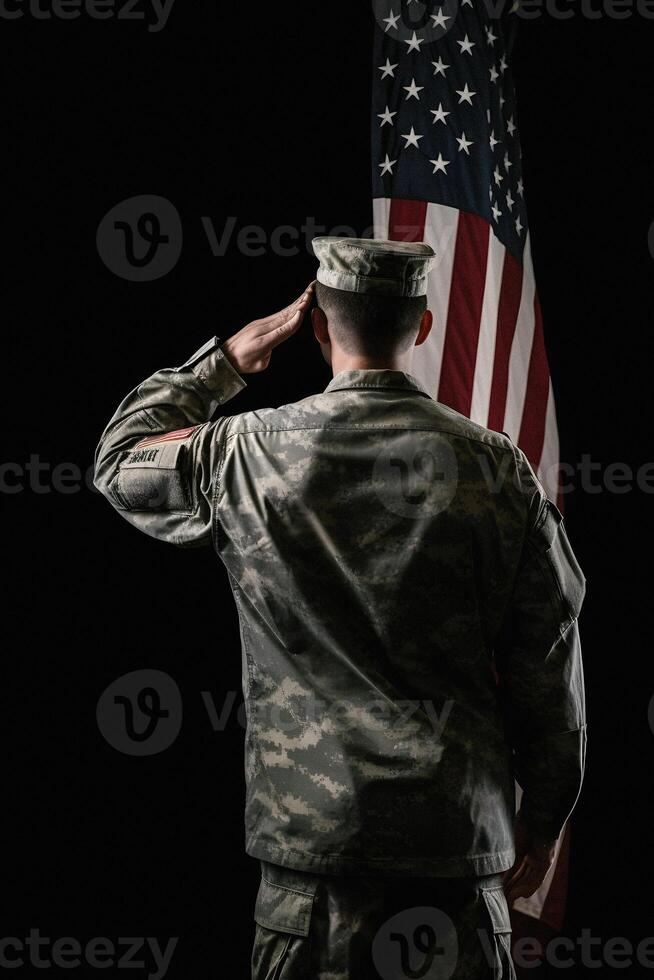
499, 925
281, 946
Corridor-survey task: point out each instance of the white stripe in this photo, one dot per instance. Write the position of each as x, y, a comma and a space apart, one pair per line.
521, 351
548, 469
441, 226
481, 389
381, 212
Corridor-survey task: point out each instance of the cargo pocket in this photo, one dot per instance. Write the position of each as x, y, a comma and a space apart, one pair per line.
281, 945
500, 933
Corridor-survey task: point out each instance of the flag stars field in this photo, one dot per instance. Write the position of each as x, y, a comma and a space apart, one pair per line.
466, 45
440, 114
465, 95
412, 90
440, 164
411, 139
388, 70
386, 116
391, 21
449, 93
464, 143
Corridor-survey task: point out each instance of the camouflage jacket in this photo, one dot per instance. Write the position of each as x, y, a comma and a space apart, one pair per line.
408, 604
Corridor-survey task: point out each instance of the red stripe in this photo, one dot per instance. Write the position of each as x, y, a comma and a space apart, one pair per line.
534, 415
464, 313
507, 319
406, 222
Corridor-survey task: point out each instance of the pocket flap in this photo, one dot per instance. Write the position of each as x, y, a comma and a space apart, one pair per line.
498, 909
283, 909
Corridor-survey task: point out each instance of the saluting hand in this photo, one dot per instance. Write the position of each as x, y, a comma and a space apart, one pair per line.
250, 350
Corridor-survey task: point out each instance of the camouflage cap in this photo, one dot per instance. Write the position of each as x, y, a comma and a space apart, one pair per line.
374, 265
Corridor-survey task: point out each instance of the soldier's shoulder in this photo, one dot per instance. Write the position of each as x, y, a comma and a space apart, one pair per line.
293, 415
464, 428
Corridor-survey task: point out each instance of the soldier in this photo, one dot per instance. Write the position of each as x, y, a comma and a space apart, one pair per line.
408, 602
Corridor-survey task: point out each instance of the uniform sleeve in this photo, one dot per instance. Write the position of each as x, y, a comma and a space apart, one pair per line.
540, 667
158, 457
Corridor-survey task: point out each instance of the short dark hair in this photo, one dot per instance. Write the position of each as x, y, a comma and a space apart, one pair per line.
371, 325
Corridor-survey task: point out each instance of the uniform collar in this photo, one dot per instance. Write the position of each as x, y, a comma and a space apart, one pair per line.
397, 380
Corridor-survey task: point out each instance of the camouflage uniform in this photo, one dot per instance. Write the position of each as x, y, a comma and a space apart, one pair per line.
390, 560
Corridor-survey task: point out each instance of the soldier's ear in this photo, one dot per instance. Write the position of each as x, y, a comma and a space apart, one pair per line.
426, 323
319, 323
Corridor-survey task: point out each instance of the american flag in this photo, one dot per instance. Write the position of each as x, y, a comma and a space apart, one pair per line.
447, 171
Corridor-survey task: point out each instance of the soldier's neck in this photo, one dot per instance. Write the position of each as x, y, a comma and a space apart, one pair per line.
352, 362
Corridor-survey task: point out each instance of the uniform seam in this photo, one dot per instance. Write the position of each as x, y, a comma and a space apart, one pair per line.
369, 860
371, 428
293, 891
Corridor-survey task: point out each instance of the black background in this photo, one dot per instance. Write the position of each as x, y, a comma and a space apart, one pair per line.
263, 114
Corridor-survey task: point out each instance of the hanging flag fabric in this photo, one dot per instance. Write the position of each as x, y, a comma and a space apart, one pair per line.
447, 171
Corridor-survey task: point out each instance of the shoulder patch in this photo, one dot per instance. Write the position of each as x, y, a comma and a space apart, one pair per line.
180, 435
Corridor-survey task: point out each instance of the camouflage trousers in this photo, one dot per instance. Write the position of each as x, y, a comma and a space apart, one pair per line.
323, 927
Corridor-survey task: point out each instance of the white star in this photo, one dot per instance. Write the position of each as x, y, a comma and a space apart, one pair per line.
387, 166
490, 37
440, 67
439, 19
386, 116
511, 126
414, 43
518, 225
466, 45
507, 163
440, 164
503, 64
413, 90
520, 188
388, 69
498, 176
439, 114
494, 74
502, 101
493, 142
411, 139
509, 200
496, 211
466, 94
391, 21
467, 3
464, 143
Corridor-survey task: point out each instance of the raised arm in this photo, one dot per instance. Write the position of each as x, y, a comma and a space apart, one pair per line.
157, 459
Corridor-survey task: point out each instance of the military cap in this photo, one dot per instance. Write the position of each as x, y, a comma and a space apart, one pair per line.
374, 265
